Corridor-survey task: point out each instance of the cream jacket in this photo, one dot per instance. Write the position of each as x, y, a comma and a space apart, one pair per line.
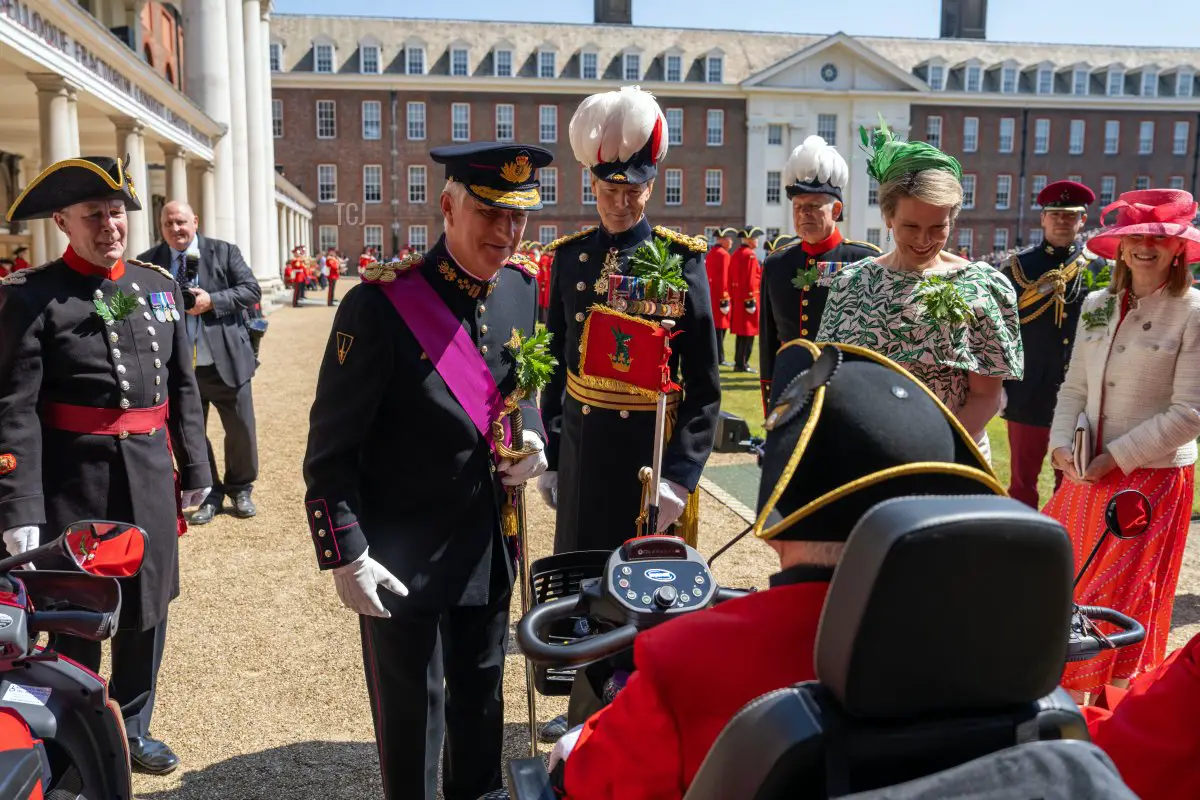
1150, 375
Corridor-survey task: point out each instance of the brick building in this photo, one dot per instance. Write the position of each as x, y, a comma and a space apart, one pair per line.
358, 102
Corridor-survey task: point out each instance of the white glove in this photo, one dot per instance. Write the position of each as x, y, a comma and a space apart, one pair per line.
548, 486
22, 539
514, 473
564, 746
671, 501
190, 498
358, 585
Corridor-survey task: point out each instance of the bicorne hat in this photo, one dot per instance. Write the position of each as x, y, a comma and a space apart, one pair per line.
495, 173
620, 136
75, 180
847, 429
1149, 212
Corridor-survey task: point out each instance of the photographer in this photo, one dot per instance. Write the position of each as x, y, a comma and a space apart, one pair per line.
217, 286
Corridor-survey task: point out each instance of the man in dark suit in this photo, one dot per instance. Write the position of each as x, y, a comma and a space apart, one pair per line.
223, 287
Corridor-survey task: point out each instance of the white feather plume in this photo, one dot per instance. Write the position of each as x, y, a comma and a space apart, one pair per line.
815, 161
613, 126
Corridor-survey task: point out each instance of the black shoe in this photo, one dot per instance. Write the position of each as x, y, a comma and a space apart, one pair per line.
726, 363
150, 755
204, 514
243, 506
553, 730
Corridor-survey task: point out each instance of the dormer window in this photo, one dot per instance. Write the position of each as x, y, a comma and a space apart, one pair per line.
974, 78
1045, 80
937, 77
368, 58
459, 66
414, 58
1150, 82
673, 68
1183, 83
503, 63
714, 69
276, 57
547, 63
1008, 80
1081, 81
1116, 82
323, 58
589, 65
632, 66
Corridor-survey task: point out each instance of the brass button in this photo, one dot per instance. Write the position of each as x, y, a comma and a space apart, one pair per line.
150, 330
804, 331
112, 337
316, 514
124, 435
583, 257
586, 409
1066, 341
157, 380
483, 329
145, 314
124, 402
492, 468
321, 532
157, 398
579, 316
158, 363
804, 317
483, 350
812, 261
120, 369
154, 346
482, 310
579, 287
124, 386
328, 553
804, 302
624, 413
116, 352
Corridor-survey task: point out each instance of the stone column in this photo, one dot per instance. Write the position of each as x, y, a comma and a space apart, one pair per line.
208, 202
281, 232
243, 221
261, 195
131, 143
293, 232
264, 77
57, 142
208, 83
176, 173
73, 121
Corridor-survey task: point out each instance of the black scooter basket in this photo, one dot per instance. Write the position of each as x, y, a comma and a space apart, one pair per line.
554, 577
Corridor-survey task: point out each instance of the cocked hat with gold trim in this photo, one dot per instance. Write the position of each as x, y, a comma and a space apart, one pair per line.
620, 136
848, 429
496, 173
75, 180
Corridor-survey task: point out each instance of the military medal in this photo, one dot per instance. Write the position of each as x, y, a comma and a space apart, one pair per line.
172, 311
159, 305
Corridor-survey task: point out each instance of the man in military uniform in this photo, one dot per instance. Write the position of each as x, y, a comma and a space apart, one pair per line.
96, 392
1051, 283
418, 363
716, 265
599, 440
796, 276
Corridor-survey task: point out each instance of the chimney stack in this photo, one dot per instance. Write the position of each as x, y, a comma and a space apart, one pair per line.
614, 12
964, 19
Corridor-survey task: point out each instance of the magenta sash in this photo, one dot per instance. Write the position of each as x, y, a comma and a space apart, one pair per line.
450, 350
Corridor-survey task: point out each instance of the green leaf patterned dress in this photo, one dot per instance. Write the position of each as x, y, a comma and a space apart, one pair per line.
884, 310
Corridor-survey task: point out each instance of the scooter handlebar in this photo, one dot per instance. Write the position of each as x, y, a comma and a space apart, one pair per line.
1091, 645
95, 626
542, 616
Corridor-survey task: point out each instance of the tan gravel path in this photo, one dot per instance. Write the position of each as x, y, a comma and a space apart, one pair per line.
262, 692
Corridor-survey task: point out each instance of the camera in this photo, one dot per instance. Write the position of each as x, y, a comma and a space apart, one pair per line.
189, 280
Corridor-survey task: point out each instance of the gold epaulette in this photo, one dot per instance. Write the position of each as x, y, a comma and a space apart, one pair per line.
696, 243
867, 245
550, 248
386, 271
17, 278
524, 264
148, 265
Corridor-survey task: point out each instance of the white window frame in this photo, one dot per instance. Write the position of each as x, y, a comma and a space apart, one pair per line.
933, 131
327, 237
277, 118
547, 58
673, 187
1041, 136
937, 84
547, 124
872, 191
589, 60
775, 134
378, 120
1001, 145
1180, 135
1141, 183
416, 126
1185, 80
460, 129
547, 233
874, 236
418, 184
1112, 137
674, 131
1037, 184
1045, 75
324, 54
1036, 236
714, 127
586, 196
1149, 81
714, 68
1175, 182
415, 62
512, 122
418, 237
1146, 134
363, 50
1078, 138
1107, 195
774, 187
275, 54
827, 128
323, 182
1114, 82
377, 171
673, 66
1004, 184
373, 237
973, 76
332, 120
1000, 243
548, 178
510, 69
966, 238
711, 185
970, 141
631, 65
1076, 76
970, 183
460, 56
1010, 80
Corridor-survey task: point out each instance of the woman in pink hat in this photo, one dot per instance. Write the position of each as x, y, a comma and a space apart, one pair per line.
1133, 393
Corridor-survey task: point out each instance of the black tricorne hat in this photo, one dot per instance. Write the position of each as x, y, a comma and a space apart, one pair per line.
71, 181
496, 173
727, 233
751, 232
848, 429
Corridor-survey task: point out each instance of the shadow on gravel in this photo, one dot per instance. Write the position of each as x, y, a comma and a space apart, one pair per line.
305, 771
1187, 610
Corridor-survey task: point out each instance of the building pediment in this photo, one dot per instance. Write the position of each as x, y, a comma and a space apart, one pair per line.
837, 63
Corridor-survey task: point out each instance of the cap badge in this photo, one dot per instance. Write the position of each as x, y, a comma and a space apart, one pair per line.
618, 177
517, 170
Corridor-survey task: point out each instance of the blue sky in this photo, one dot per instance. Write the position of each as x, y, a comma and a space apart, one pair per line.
1173, 23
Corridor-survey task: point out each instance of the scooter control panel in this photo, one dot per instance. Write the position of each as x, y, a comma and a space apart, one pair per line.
659, 575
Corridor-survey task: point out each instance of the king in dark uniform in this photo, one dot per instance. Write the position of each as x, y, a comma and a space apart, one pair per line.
600, 439
406, 484
796, 275
1051, 282
96, 392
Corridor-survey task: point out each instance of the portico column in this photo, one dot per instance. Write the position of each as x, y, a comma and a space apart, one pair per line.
73, 121
243, 221
293, 233
176, 173
281, 231
261, 195
57, 142
208, 202
208, 83
264, 111
131, 144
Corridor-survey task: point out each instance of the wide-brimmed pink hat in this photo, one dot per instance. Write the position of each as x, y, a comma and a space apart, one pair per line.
1149, 212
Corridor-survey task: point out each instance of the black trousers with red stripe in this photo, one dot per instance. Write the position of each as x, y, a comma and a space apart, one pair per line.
435, 679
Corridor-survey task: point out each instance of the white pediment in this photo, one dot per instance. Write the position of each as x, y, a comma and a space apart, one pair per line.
838, 63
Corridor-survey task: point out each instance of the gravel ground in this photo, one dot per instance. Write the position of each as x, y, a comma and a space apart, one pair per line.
262, 692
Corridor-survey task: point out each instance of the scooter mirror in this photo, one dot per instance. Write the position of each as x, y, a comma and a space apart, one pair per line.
105, 549
1128, 514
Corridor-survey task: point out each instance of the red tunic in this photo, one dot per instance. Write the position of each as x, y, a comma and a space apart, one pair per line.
1151, 732
693, 674
716, 263
335, 268
543, 277
296, 271
745, 276
20, 263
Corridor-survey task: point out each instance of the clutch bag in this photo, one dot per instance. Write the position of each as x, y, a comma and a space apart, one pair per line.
1082, 451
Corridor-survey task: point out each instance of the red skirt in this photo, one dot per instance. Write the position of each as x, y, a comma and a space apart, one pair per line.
1136, 577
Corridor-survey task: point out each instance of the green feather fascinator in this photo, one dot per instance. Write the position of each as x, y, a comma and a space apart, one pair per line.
889, 157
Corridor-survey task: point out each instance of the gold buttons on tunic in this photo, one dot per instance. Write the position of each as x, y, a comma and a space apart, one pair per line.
483, 350
583, 257
124, 403
116, 351
804, 317
328, 554
812, 261
804, 331
157, 398
321, 532
124, 386
317, 514
579, 316
112, 337
1066, 341
483, 329
579, 287
157, 380
482, 310
154, 346
804, 302
158, 363
150, 330
586, 409
124, 435
624, 413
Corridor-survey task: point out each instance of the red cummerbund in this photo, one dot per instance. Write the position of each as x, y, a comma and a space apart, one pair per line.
104, 421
